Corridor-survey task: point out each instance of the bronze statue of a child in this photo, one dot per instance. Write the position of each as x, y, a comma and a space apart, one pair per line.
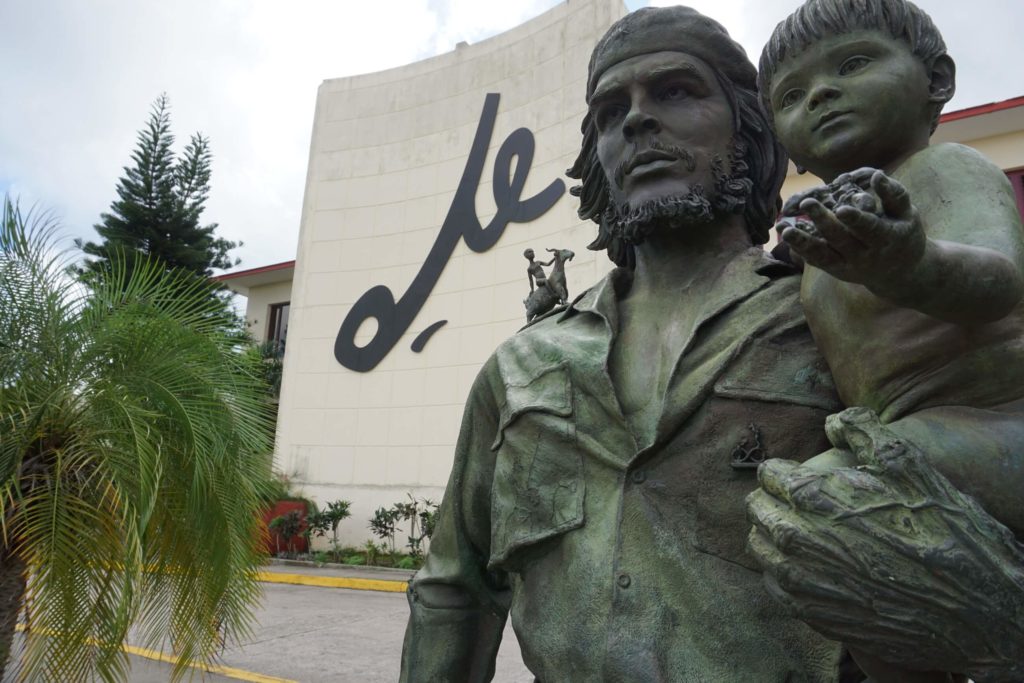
535, 271
914, 253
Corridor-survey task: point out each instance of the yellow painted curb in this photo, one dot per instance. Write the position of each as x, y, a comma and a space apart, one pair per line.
227, 671
335, 582
220, 670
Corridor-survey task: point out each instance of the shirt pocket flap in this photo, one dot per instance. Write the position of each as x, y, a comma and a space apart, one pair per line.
782, 373
547, 390
538, 486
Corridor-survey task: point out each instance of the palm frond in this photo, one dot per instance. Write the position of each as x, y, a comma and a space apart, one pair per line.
134, 451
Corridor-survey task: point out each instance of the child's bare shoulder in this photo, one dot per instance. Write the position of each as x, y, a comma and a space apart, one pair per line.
949, 162
959, 193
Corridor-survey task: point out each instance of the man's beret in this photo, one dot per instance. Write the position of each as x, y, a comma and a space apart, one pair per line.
671, 29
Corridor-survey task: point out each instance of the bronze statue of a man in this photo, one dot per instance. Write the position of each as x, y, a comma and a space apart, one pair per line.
598, 488
595, 493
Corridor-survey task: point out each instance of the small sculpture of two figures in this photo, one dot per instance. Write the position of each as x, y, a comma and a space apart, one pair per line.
550, 289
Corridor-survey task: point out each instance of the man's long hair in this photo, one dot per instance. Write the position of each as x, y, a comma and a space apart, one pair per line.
763, 155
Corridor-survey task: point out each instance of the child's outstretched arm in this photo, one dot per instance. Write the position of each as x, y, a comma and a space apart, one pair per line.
960, 258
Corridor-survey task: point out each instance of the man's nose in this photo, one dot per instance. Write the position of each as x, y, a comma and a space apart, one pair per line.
822, 93
639, 121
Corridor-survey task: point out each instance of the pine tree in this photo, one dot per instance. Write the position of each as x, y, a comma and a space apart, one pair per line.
160, 201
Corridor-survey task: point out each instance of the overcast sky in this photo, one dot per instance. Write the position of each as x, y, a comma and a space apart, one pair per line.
78, 78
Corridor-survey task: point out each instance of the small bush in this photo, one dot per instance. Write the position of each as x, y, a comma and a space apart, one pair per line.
288, 525
373, 552
421, 515
355, 559
383, 524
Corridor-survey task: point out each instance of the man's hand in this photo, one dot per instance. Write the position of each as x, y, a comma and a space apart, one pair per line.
860, 228
890, 558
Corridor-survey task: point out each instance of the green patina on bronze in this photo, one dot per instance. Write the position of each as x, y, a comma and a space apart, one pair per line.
551, 290
913, 291
597, 494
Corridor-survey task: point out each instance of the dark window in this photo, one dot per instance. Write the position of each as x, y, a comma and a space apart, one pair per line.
1017, 180
277, 330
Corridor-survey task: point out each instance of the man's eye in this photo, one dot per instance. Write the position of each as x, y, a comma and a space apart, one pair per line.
853, 64
790, 98
610, 113
674, 92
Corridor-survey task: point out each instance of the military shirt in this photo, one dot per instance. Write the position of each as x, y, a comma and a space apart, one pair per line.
617, 561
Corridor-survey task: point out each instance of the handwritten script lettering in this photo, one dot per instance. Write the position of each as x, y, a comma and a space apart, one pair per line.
461, 222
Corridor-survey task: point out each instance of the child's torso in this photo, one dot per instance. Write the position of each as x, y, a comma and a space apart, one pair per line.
897, 360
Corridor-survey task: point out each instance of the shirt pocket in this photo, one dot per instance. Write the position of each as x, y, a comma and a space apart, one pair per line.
772, 404
538, 487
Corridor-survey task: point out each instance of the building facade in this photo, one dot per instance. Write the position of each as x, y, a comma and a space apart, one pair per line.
429, 180
425, 185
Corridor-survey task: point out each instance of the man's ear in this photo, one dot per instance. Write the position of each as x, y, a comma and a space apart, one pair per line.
943, 80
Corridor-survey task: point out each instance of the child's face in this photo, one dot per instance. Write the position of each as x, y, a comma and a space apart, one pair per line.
852, 100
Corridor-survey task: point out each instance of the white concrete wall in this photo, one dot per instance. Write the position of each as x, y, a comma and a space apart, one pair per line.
387, 153
1006, 151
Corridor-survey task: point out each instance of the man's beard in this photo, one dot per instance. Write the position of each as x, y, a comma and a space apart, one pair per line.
689, 210
633, 224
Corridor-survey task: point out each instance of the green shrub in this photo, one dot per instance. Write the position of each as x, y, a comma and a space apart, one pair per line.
288, 525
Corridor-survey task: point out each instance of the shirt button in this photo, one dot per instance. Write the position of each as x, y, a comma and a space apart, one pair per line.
624, 580
639, 476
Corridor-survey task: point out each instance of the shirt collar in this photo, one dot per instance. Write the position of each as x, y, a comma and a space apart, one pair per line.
746, 273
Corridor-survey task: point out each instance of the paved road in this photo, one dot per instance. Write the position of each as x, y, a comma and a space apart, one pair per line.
331, 634
315, 635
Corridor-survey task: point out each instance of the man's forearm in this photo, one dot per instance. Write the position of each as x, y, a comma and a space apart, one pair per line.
449, 642
457, 606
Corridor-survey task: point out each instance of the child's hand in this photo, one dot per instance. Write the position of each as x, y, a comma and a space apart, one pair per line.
836, 193
823, 193
859, 238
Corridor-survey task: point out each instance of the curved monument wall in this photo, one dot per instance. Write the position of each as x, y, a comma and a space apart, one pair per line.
392, 197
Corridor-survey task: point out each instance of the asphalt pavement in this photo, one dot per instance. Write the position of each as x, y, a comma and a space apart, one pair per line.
314, 634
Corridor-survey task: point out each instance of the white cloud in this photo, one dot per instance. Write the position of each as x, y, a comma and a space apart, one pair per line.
80, 76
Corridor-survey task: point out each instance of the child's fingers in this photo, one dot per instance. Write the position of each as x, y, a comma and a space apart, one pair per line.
791, 207
865, 201
813, 250
831, 228
864, 226
895, 198
861, 177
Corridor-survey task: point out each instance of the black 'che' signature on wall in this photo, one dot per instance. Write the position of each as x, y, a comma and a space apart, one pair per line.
394, 318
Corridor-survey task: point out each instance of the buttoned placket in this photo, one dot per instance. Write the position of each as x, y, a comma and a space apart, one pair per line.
627, 592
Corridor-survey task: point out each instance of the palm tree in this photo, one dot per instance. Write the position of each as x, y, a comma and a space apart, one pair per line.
133, 453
